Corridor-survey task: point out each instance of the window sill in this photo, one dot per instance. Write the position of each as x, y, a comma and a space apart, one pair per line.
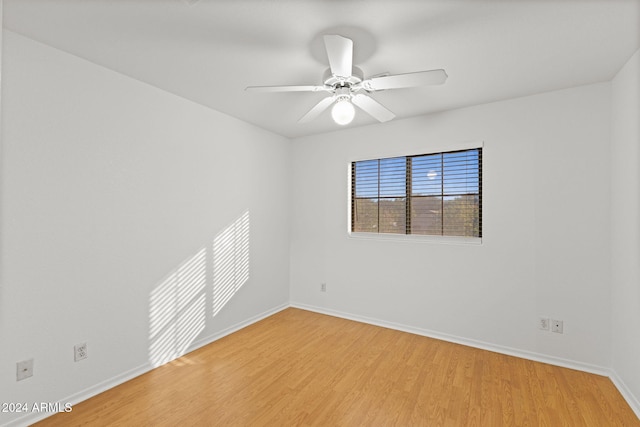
452, 240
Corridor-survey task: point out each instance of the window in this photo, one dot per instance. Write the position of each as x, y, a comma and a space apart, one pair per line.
431, 194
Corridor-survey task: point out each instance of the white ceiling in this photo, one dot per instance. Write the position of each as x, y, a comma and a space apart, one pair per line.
208, 51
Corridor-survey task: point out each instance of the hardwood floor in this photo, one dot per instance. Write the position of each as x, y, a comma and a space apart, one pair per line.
302, 368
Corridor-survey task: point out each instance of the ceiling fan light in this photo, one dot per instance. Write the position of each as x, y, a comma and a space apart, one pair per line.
343, 112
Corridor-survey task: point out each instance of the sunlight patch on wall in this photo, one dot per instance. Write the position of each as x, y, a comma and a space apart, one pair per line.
177, 310
230, 261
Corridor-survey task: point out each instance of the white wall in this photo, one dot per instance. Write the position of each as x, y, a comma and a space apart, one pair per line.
625, 225
545, 246
108, 186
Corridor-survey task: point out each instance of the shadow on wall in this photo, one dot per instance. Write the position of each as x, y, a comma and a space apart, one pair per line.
177, 305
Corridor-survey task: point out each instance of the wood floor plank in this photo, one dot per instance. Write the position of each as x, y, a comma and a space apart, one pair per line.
298, 368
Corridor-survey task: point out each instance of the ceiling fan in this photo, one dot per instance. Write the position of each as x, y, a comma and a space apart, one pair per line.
348, 87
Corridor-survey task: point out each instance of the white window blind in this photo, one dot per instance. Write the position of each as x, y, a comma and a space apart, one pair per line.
431, 194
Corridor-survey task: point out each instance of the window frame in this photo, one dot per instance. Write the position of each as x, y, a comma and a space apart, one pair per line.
417, 237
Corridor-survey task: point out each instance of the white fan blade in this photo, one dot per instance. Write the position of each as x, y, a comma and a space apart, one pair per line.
372, 107
340, 53
317, 110
397, 81
286, 88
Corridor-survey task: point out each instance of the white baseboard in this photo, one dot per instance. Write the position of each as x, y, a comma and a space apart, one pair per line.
524, 354
234, 328
632, 400
625, 392
94, 390
85, 394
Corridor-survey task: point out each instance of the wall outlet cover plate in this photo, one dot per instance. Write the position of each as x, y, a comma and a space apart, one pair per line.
557, 326
543, 323
80, 352
24, 369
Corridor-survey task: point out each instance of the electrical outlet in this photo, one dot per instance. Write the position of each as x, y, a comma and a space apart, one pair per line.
556, 326
24, 369
543, 323
323, 287
80, 352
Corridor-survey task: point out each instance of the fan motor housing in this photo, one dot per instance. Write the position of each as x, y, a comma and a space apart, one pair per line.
330, 80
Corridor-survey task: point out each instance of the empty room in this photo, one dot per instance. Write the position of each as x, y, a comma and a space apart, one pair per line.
322, 212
